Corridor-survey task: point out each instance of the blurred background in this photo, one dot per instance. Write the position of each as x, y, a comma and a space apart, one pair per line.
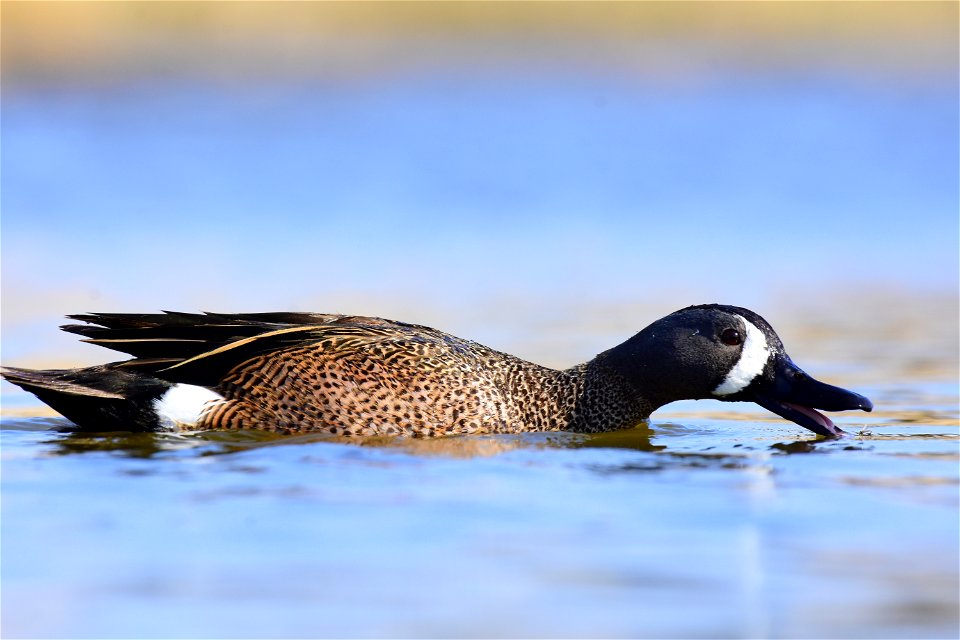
546, 178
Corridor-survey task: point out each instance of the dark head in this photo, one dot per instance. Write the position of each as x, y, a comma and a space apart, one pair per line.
730, 354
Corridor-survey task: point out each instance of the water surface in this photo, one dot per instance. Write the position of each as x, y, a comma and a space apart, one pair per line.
703, 523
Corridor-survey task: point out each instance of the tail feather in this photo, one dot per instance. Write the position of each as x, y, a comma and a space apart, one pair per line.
179, 335
184, 354
103, 398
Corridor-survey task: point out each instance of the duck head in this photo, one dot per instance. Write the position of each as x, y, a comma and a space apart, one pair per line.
730, 354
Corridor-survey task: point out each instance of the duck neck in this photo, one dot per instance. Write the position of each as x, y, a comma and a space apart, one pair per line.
604, 400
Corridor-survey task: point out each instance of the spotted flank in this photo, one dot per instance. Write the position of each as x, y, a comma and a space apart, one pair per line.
362, 376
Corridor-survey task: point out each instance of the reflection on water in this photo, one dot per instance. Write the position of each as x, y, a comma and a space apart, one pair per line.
145, 445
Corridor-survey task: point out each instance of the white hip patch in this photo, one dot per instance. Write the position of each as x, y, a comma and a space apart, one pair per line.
183, 405
753, 358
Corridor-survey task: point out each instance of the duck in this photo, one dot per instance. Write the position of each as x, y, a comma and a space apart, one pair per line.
347, 375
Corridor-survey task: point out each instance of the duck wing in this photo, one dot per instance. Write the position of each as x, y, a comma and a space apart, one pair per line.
200, 348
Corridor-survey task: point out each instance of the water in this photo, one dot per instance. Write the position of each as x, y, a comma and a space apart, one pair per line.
546, 212
693, 527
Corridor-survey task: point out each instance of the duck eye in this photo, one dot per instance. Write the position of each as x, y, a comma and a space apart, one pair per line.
731, 337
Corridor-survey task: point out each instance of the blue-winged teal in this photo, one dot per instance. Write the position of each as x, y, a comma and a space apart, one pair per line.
353, 375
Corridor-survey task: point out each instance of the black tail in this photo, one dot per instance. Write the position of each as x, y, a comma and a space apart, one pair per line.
104, 398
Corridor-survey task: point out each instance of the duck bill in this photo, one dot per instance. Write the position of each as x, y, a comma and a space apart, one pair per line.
796, 396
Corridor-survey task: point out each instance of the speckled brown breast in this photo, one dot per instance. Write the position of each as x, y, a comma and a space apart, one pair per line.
376, 380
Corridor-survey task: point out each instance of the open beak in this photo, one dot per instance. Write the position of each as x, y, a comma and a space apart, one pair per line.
796, 396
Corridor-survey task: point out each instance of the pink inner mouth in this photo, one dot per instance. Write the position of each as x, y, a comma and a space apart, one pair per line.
823, 420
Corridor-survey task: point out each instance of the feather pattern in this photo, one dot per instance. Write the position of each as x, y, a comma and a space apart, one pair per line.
355, 375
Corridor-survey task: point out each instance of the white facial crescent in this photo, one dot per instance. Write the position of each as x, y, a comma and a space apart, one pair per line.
753, 358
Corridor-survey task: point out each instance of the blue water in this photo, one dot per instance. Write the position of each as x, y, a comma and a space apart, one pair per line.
705, 528
463, 185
